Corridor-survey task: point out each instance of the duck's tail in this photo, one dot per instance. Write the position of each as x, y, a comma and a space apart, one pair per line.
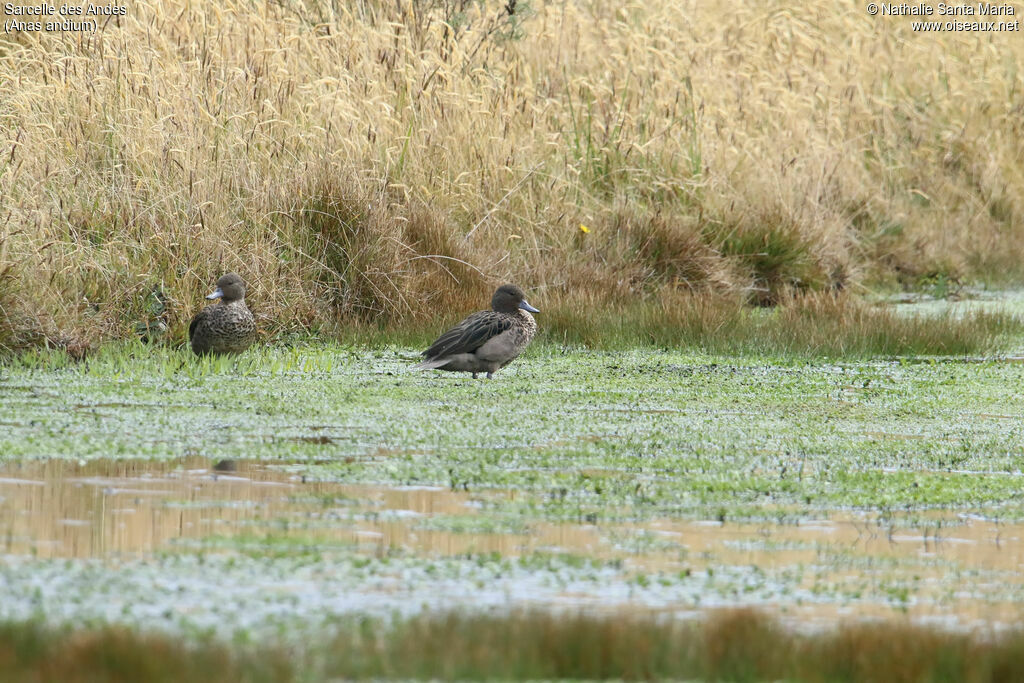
431, 363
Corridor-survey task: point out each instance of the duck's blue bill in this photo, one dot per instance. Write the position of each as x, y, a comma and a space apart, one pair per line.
527, 307
216, 294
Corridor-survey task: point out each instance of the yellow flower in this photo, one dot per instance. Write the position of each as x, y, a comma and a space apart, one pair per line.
584, 229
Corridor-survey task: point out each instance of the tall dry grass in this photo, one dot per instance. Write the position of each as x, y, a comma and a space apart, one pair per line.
390, 162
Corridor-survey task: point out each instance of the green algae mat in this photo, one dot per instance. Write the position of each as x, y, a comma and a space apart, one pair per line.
294, 487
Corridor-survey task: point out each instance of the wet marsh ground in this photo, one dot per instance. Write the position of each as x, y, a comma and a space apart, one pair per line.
291, 488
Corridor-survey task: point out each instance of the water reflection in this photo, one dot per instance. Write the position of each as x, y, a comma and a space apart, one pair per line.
939, 565
101, 508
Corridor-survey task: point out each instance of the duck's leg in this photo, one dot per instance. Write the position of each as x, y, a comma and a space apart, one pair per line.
490, 375
474, 375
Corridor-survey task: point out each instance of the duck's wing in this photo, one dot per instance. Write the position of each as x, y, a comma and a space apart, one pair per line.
470, 334
200, 316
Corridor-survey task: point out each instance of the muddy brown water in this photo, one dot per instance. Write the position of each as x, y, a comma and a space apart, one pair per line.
960, 567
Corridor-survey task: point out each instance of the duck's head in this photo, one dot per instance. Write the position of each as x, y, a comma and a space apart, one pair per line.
230, 287
508, 298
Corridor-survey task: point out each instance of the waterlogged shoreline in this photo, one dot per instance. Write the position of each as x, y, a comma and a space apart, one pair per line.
151, 543
298, 486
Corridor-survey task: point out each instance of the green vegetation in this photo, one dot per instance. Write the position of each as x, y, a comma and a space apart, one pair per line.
821, 325
728, 646
834, 326
563, 440
674, 433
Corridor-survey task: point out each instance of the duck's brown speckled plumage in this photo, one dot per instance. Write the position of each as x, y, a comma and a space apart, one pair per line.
225, 327
486, 341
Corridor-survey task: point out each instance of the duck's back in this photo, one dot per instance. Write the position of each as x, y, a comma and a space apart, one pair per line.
470, 334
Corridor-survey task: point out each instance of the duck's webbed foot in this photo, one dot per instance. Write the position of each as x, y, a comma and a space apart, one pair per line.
474, 375
490, 375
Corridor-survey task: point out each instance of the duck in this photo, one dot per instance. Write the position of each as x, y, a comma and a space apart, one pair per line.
486, 341
225, 327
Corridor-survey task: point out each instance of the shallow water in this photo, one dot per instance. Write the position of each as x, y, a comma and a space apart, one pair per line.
572, 480
959, 302
957, 568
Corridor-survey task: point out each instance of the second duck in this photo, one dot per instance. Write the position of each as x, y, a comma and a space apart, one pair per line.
227, 327
486, 341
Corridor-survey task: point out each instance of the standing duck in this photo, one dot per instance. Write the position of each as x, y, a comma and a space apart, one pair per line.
486, 341
226, 327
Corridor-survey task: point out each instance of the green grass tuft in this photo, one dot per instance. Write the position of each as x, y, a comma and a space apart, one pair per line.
829, 325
